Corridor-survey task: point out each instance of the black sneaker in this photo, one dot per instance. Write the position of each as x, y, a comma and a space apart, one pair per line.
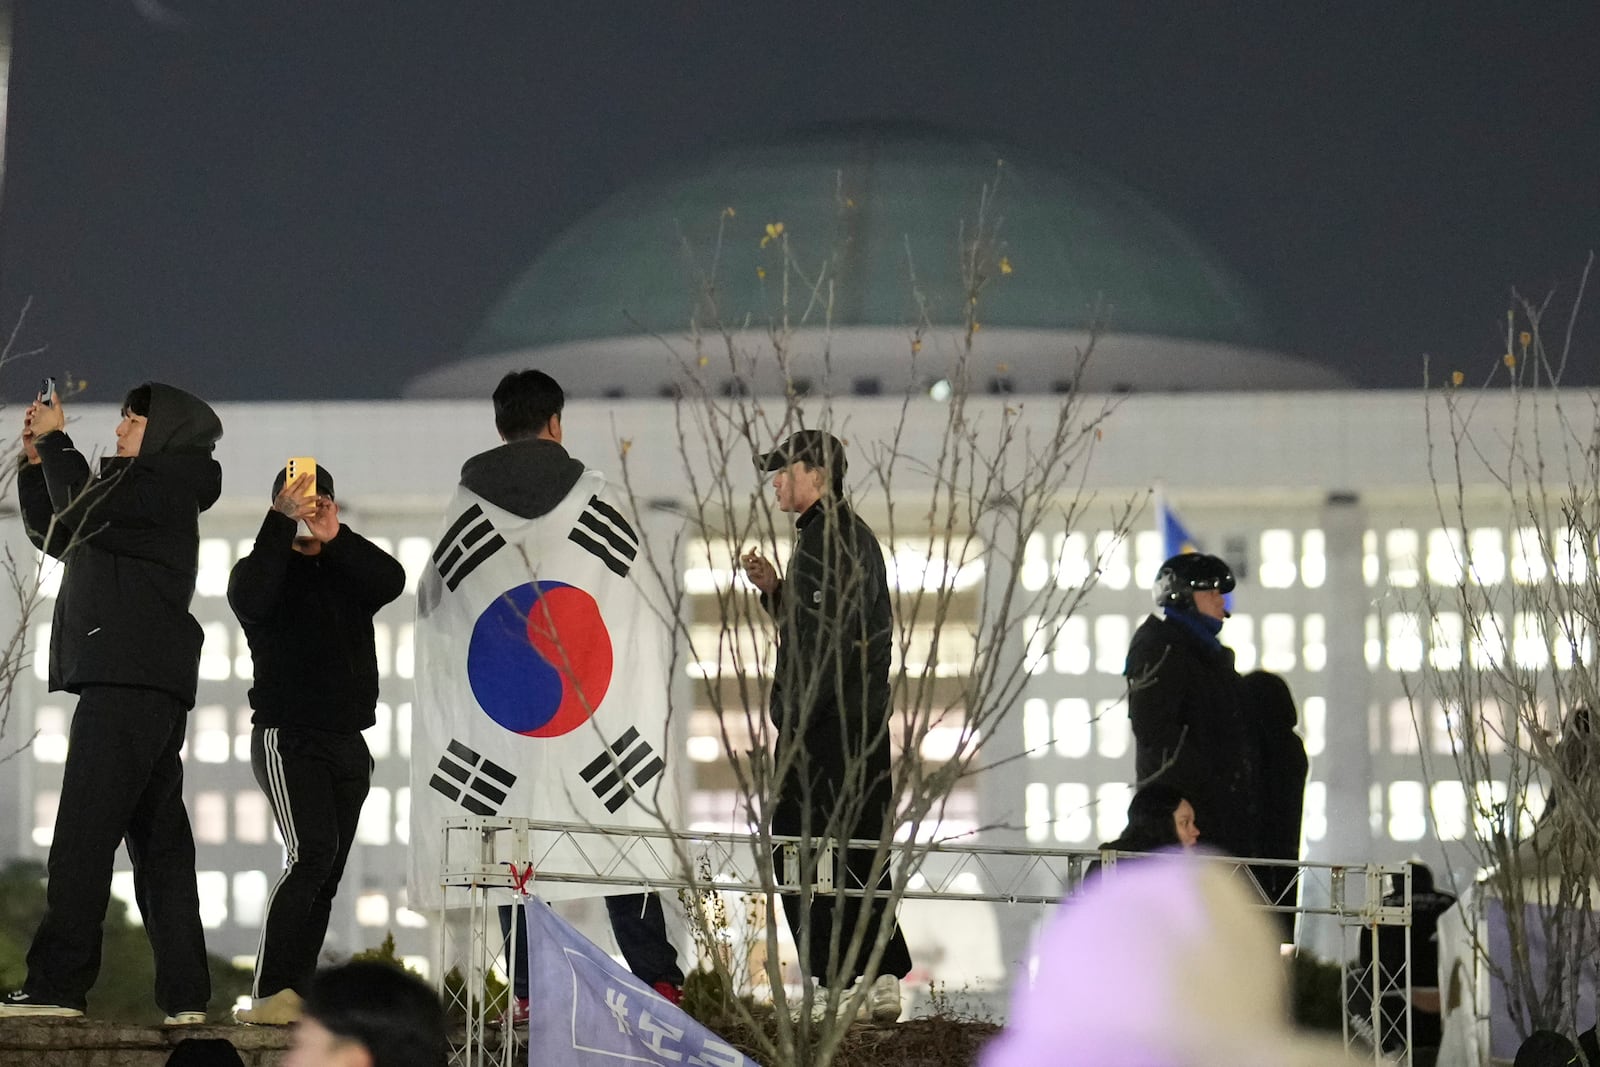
21, 1005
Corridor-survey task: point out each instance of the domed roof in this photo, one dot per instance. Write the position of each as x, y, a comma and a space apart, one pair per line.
887, 204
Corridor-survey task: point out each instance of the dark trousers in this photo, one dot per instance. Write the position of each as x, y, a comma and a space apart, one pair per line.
316, 782
639, 925
806, 812
123, 782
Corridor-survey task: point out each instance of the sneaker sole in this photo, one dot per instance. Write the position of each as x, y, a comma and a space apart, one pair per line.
39, 1013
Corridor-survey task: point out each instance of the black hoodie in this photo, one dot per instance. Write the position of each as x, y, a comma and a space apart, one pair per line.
527, 478
129, 537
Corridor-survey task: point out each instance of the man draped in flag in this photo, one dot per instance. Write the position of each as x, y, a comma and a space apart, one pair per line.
543, 669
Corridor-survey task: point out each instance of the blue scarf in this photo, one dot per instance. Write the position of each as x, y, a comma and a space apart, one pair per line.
1203, 626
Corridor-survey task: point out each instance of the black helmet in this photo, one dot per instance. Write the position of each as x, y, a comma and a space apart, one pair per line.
1182, 575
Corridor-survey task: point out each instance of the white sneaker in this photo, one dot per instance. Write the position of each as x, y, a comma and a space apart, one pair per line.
883, 1000
185, 1018
280, 1009
819, 1006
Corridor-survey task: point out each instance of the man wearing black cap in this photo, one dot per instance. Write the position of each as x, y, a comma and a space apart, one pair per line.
830, 701
1189, 726
306, 604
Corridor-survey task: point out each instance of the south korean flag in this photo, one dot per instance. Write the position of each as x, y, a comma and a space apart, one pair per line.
543, 671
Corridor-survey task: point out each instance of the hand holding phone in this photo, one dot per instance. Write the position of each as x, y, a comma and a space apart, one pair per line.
47, 392
295, 467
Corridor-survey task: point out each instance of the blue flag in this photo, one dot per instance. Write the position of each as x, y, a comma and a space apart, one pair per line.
1176, 536
585, 1011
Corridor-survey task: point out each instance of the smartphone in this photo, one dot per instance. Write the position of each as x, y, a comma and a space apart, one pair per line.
298, 465
47, 392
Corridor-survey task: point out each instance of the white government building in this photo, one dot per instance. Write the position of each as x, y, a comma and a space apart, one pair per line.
1317, 494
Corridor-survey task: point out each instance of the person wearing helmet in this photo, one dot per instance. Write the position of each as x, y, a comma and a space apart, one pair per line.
1184, 700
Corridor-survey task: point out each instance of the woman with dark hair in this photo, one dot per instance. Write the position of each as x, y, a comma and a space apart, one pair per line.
1158, 817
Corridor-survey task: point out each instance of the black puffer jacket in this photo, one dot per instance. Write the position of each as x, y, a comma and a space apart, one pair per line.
129, 536
1190, 731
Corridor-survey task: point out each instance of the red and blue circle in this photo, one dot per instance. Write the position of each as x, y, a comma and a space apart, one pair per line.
540, 659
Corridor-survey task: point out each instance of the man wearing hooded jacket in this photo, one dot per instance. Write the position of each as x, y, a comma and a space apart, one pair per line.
1189, 726
530, 475
123, 640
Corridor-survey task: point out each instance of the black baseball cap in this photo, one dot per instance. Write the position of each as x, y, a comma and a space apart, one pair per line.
812, 447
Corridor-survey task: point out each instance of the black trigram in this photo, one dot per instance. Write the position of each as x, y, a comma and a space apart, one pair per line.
464, 776
605, 534
612, 775
470, 540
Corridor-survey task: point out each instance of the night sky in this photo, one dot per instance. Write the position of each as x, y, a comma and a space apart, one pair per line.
319, 200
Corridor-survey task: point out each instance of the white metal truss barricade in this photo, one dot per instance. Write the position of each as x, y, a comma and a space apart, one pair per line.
485, 861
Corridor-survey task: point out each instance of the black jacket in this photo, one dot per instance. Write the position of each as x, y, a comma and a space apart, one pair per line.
1189, 729
835, 633
1280, 765
129, 537
309, 623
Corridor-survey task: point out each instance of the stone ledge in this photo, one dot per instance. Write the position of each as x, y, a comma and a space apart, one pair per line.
87, 1043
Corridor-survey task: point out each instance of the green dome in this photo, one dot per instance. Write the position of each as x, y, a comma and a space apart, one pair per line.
884, 201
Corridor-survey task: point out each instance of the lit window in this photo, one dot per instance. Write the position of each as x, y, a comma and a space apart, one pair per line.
422, 965
49, 570
1314, 635
1442, 728
1036, 812
414, 556
1110, 643
213, 887
1373, 646
405, 651
1492, 725
215, 559
1072, 728
372, 909
1313, 559
1111, 551
402, 815
250, 817
1149, 553
704, 749
1111, 810
1527, 556
1488, 809
1488, 556
243, 666
1277, 642
1035, 569
1072, 646
249, 898
1533, 804
1444, 637
41, 652
50, 742
216, 662
1572, 643
382, 643
241, 735
1034, 657
209, 813
1239, 633
1407, 819
1401, 548
1449, 810
122, 889
1572, 565
1369, 558
213, 741
372, 828
1528, 648
1488, 645
1035, 727
1444, 557
925, 565
45, 804
1277, 559
1403, 642
1316, 713
1314, 820
402, 730
1112, 730
1073, 824
1073, 569
1402, 728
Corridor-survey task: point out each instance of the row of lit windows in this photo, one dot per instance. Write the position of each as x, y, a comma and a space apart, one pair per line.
385, 817
1073, 727
1076, 644
913, 564
241, 897
1072, 559
1077, 814
1482, 559
1402, 642
714, 650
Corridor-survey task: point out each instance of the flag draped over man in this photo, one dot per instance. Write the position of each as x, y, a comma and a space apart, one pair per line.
543, 670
